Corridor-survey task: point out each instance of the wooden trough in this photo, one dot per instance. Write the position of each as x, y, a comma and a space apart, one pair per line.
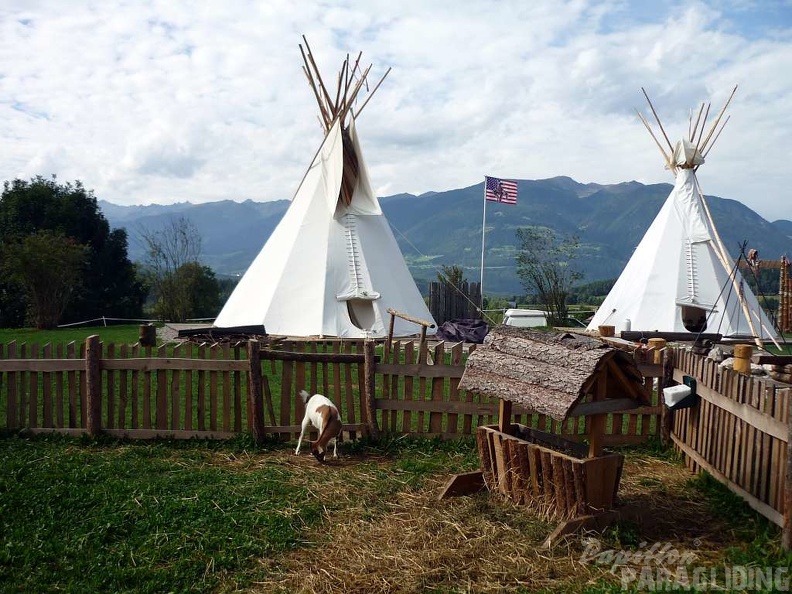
561, 375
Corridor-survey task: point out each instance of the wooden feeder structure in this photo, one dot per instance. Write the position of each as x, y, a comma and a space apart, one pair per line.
561, 375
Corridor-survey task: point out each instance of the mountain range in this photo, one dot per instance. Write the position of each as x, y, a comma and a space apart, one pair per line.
444, 228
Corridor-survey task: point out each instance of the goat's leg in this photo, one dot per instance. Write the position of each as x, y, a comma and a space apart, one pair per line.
305, 423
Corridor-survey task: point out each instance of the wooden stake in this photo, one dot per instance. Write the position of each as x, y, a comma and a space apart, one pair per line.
255, 391
659, 123
371, 94
370, 387
598, 422
666, 158
504, 416
93, 384
330, 104
717, 120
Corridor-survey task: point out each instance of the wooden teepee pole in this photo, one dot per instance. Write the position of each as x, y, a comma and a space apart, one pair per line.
659, 123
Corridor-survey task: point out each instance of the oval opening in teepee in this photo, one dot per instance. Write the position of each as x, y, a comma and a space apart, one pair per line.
694, 319
361, 313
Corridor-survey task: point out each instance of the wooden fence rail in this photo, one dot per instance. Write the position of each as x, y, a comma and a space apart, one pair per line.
213, 391
739, 432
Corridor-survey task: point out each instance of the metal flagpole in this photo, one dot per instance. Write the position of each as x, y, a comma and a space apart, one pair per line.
483, 230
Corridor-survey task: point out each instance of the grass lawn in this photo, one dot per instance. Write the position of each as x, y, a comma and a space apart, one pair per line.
82, 515
124, 334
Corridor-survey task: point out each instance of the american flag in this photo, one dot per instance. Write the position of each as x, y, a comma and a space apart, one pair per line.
500, 190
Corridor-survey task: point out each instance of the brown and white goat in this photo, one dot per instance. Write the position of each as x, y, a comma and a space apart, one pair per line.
322, 414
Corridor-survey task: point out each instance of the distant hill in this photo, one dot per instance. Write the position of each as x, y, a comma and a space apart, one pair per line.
440, 228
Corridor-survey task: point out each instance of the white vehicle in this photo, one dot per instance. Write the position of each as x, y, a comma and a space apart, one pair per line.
525, 318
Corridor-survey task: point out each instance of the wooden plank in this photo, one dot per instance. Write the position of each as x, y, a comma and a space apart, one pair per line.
299, 384
268, 399
135, 393
201, 404
227, 396
438, 384
463, 484
33, 391
110, 389
395, 382
409, 355
175, 395
167, 363
348, 391
71, 380
123, 389
749, 414
430, 406
46, 394
761, 507
421, 370
214, 353
239, 397
603, 407
189, 390
40, 365
60, 393
346, 357
12, 412
337, 394
287, 371
93, 384
452, 422
162, 393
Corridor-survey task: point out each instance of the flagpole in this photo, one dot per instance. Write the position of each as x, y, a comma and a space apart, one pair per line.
483, 231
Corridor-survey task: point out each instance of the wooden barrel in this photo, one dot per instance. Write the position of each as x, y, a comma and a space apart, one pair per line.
658, 344
607, 330
742, 357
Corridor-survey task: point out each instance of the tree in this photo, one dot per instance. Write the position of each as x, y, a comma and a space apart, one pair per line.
109, 285
545, 268
453, 275
48, 266
182, 287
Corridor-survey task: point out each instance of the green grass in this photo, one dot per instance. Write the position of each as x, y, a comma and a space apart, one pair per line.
104, 516
126, 334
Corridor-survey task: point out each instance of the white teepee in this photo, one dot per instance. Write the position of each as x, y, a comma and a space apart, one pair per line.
332, 266
680, 277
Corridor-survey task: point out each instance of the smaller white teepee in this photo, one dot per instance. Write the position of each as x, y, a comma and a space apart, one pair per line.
332, 266
680, 277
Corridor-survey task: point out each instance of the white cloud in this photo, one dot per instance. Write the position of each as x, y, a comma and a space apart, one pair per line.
162, 101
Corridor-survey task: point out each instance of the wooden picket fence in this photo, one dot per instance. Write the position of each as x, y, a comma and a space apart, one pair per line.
213, 391
738, 432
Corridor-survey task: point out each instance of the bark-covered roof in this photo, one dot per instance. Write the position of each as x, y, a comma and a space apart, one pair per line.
549, 372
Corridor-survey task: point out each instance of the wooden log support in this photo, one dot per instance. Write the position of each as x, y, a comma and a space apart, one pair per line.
598, 422
370, 365
786, 538
255, 390
93, 384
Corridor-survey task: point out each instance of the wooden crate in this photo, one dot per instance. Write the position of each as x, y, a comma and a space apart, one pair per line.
547, 472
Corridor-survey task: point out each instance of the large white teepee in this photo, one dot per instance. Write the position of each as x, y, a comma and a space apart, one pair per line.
332, 266
680, 277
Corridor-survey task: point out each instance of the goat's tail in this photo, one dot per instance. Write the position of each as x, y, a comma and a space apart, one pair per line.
304, 395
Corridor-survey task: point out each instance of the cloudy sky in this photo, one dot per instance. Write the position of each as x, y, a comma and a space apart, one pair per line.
167, 101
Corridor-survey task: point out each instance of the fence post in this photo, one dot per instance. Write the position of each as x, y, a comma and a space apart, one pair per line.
93, 385
255, 390
786, 535
370, 365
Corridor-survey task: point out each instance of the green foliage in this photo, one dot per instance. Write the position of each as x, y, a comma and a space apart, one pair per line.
108, 286
453, 275
48, 266
545, 266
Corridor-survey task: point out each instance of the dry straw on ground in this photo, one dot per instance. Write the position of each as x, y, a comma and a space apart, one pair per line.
376, 541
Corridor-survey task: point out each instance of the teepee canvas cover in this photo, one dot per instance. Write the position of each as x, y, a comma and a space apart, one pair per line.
680, 277
332, 266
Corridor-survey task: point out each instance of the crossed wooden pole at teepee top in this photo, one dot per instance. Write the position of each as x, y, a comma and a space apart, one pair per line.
337, 107
695, 132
